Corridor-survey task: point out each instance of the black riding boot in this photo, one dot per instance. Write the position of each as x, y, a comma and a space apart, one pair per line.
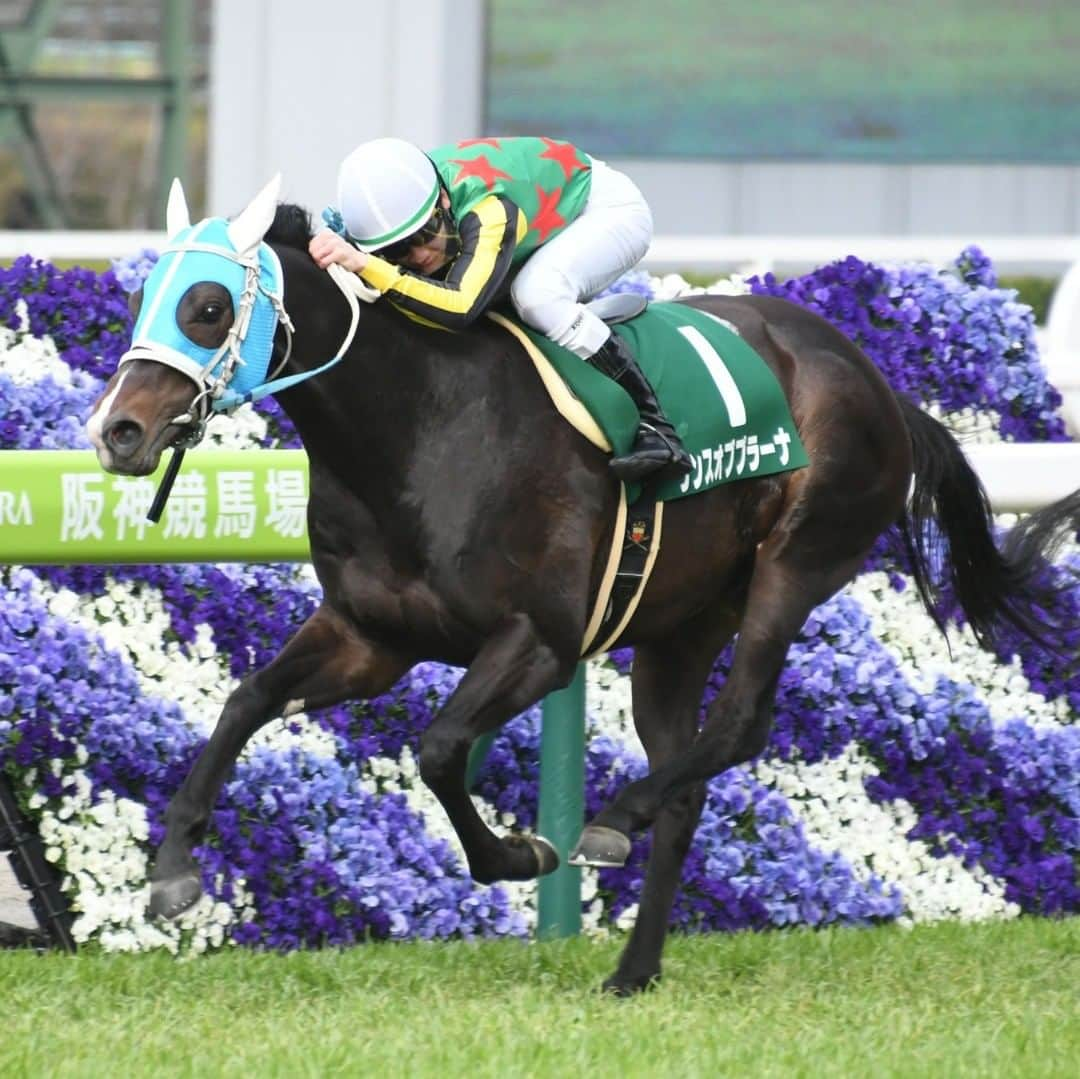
657, 445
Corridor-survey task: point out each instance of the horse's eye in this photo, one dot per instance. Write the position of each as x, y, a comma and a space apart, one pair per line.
211, 311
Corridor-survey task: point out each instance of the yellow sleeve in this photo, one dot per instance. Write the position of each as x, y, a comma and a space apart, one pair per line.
489, 234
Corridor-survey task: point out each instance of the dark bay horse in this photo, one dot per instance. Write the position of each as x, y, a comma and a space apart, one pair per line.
455, 516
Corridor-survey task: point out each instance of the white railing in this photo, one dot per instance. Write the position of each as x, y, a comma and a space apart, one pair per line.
1023, 476
79, 244
1059, 347
790, 254
1012, 254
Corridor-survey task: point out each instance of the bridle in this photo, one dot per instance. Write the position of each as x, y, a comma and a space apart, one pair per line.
214, 378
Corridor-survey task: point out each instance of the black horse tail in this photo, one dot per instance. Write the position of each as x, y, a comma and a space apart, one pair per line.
959, 560
1043, 533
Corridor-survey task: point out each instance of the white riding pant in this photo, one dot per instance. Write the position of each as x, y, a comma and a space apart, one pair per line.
611, 235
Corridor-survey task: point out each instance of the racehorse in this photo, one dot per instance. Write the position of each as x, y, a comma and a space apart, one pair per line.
455, 516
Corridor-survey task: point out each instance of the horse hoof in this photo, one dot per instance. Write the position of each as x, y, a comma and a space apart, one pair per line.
170, 898
623, 987
547, 857
600, 847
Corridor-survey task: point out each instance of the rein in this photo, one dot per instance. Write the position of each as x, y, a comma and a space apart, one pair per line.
351, 288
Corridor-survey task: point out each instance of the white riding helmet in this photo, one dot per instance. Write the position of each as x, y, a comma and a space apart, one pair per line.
386, 190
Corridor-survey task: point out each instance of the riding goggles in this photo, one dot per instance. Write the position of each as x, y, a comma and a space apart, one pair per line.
427, 232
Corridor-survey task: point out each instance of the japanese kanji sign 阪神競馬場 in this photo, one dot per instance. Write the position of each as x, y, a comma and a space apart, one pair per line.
60, 507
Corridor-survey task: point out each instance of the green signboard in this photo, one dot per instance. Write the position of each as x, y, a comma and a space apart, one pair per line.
226, 505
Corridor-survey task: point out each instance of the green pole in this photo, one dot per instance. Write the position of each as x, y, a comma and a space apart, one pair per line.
562, 801
477, 756
176, 43
562, 805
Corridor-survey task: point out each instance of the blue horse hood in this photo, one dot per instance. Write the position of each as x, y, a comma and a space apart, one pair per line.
204, 252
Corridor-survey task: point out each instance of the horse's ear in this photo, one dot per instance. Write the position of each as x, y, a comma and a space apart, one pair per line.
176, 211
247, 229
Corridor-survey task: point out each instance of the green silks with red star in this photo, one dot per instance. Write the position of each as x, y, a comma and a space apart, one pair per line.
546, 179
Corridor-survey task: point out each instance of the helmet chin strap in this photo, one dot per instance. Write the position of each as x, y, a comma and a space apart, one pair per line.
453, 244
450, 227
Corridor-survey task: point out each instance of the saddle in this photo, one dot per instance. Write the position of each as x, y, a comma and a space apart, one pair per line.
722, 398
726, 405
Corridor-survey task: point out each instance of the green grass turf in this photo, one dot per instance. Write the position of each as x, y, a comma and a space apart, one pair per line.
946, 1000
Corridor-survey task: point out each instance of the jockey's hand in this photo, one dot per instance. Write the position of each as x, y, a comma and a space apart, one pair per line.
327, 246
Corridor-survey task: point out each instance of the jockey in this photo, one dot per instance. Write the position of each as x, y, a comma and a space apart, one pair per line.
443, 234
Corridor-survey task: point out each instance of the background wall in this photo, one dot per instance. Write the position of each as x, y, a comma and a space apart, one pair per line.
297, 96
294, 90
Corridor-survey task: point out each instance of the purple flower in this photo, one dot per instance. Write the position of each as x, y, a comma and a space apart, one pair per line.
329, 862
953, 338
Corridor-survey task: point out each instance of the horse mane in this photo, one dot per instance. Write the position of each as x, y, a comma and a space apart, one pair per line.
291, 227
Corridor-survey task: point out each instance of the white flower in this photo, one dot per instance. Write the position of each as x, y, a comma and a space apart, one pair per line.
64, 604
838, 815
101, 846
26, 359
245, 429
673, 286
297, 731
608, 700
627, 918
901, 624
967, 425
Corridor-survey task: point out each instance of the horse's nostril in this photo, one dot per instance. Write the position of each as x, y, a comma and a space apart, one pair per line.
124, 435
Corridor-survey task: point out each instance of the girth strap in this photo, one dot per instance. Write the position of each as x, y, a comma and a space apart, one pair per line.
634, 549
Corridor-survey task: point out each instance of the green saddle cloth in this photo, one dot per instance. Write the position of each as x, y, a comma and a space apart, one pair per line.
719, 394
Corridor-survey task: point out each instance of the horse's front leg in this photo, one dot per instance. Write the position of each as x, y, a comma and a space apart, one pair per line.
324, 663
513, 670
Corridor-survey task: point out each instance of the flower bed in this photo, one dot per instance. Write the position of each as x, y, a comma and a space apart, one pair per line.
899, 784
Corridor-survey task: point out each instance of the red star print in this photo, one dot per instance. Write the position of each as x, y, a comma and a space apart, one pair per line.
489, 141
565, 155
478, 166
547, 218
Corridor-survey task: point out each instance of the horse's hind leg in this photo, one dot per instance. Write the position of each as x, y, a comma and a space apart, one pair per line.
783, 592
324, 663
668, 680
